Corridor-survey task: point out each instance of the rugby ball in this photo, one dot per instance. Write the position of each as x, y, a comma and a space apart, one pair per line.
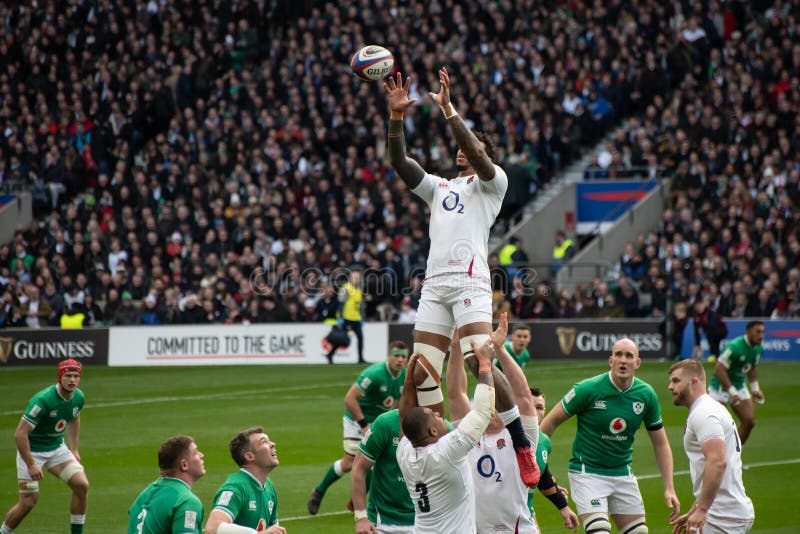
372, 62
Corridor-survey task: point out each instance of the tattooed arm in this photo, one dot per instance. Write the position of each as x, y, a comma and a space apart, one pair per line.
467, 142
407, 169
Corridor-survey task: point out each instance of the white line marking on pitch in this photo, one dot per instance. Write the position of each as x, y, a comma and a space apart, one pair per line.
745, 467
227, 394
301, 517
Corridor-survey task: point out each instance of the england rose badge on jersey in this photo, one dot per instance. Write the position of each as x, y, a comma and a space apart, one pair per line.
467, 302
501, 443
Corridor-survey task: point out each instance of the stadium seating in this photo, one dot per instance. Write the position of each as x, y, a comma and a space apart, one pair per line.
222, 165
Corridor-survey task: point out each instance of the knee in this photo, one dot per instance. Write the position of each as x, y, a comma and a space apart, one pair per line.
635, 527
597, 523
79, 484
28, 500
420, 374
347, 463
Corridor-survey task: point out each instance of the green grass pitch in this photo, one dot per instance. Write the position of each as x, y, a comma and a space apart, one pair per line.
130, 411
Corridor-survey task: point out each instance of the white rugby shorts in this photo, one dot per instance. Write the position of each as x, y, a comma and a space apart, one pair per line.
383, 528
45, 460
450, 300
720, 395
605, 494
715, 525
351, 434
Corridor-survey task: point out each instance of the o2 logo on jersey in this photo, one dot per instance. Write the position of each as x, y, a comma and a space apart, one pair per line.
61, 425
617, 425
453, 202
487, 468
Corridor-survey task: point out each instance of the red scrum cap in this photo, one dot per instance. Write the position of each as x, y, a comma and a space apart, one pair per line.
68, 366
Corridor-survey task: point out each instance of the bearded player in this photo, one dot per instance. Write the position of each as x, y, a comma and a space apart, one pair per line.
457, 291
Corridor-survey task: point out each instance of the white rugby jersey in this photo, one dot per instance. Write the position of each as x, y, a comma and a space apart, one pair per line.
709, 419
462, 213
439, 481
501, 498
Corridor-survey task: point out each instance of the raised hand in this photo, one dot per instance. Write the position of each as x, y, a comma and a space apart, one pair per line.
442, 98
397, 93
501, 333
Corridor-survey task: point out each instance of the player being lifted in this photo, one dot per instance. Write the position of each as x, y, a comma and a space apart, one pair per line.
457, 290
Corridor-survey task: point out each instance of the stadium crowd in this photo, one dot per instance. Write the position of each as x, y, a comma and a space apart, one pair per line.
727, 137
199, 162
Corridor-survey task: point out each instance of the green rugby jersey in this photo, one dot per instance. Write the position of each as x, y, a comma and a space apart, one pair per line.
49, 413
248, 502
167, 506
381, 390
608, 418
522, 358
388, 495
739, 357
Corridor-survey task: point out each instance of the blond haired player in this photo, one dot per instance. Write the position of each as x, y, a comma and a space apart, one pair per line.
715, 458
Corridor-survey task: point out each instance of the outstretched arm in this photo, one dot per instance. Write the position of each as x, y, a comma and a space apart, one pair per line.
407, 169
475, 422
514, 374
467, 142
456, 379
408, 399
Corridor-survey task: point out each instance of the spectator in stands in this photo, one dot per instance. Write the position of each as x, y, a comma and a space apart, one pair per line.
563, 251
126, 314
709, 323
33, 308
678, 319
512, 257
74, 316
164, 140
498, 274
94, 314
